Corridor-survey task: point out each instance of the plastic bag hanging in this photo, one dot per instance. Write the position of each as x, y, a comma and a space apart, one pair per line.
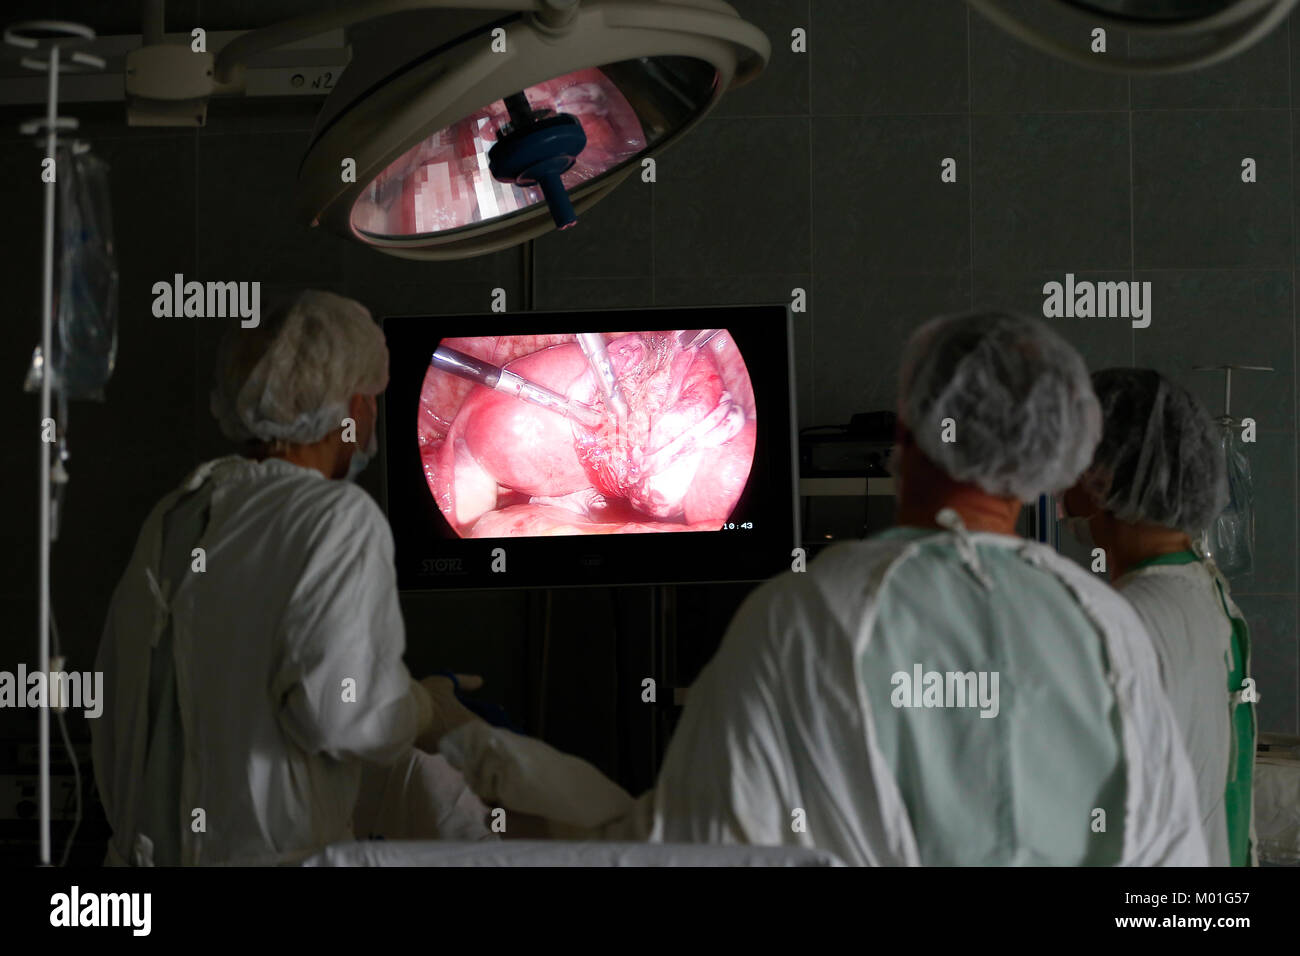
85, 340
1231, 537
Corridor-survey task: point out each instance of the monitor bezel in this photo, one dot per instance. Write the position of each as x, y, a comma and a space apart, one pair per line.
442, 560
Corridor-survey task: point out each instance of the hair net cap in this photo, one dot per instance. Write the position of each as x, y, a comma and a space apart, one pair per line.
1025, 420
291, 377
1159, 459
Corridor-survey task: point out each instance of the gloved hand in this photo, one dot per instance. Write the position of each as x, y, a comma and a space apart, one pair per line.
448, 712
526, 776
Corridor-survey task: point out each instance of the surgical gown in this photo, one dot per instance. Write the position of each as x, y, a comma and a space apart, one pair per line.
790, 736
252, 659
1202, 645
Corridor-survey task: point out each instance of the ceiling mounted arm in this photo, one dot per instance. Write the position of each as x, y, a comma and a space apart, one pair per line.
151, 25
231, 60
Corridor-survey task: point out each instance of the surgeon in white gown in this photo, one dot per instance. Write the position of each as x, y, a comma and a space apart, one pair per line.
252, 654
804, 731
1157, 480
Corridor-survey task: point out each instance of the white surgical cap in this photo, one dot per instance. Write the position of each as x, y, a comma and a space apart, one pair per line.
1159, 459
290, 378
1025, 420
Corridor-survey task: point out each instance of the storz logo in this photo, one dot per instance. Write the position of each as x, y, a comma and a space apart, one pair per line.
441, 566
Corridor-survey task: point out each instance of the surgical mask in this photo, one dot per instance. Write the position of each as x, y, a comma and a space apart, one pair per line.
1077, 524
362, 457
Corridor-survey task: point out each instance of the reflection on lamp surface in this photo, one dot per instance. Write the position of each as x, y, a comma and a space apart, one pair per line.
443, 182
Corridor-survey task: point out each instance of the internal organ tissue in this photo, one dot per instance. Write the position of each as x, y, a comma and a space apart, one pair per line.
498, 467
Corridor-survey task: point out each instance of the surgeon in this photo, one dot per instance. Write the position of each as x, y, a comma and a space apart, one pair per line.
944, 693
252, 655
1157, 480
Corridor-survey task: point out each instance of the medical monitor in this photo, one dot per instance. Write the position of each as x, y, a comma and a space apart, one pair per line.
551, 449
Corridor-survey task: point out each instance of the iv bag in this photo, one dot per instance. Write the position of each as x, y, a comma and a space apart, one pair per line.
1231, 538
85, 314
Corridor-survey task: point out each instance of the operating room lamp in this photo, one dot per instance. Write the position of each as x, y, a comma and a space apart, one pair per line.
1193, 33
492, 138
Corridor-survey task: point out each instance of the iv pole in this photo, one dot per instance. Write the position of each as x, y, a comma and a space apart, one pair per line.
1227, 380
52, 34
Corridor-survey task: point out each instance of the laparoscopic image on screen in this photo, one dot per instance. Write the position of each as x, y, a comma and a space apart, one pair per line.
587, 433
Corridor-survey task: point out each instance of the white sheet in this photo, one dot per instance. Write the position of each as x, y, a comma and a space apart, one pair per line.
561, 853
1277, 809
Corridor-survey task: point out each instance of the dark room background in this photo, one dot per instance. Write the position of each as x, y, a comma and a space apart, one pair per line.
823, 175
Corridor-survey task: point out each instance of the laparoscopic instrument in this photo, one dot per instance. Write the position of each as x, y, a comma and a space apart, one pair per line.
593, 346
503, 380
695, 338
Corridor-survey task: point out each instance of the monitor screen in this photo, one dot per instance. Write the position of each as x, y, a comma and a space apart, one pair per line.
590, 448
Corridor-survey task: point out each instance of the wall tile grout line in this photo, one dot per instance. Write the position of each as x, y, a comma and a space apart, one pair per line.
1047, 269
1295, 393
930, 114
970, 158
654, 275
1132, 211
812, 185
199, 408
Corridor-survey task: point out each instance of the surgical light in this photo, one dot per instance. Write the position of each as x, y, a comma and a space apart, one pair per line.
513, 129
1200, 33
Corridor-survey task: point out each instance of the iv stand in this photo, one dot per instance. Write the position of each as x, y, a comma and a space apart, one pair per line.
52, 34
1227, 380
1228, 422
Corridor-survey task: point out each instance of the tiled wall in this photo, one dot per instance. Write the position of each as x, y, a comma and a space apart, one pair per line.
823, 175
